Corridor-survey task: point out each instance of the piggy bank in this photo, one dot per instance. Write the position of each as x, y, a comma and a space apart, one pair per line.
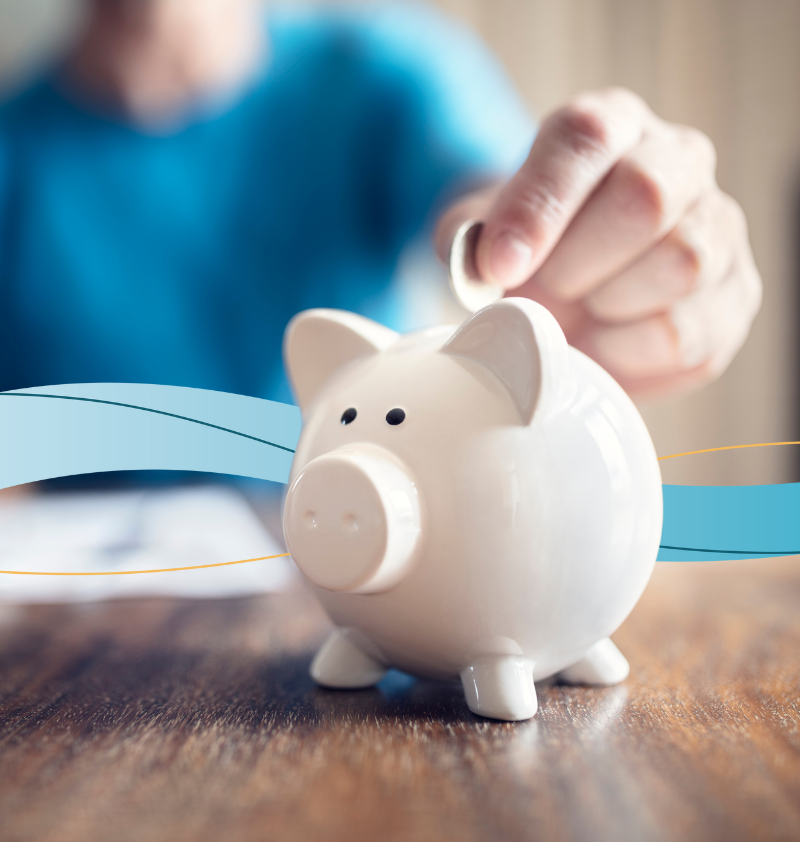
480, 503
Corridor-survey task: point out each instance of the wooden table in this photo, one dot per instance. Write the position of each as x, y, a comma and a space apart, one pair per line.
176, 720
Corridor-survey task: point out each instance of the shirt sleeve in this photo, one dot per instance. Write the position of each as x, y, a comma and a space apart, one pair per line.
450, 115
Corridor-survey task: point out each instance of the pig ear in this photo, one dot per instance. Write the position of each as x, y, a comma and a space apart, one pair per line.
317, 343
521, 343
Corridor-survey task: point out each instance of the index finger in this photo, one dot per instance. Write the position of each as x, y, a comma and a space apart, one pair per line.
575, 149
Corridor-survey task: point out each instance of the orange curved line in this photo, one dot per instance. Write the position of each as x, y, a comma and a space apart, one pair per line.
131, 572
729, 447
284, 555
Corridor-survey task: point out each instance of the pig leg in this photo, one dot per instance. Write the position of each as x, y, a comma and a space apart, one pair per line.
340, 663
602, 664
500, 687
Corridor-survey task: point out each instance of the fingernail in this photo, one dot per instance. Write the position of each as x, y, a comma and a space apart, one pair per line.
509, 259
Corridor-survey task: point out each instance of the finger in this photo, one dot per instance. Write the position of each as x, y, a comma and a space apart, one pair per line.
697, 253
643, 198
475, 205
572, 316
658, 385
575, 149
710, 323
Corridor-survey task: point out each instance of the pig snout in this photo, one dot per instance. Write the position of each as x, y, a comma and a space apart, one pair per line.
352, 520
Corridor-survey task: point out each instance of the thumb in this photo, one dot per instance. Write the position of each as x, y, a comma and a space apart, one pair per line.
576, 148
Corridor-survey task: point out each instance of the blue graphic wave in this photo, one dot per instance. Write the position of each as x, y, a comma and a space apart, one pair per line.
58, 431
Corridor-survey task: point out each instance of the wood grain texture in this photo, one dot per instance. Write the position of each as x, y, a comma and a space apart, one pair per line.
177, 720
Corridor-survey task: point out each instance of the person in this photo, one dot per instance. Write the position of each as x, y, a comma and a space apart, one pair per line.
188, 178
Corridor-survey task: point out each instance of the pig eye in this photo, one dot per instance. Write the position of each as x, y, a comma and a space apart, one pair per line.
349, 415
395, 417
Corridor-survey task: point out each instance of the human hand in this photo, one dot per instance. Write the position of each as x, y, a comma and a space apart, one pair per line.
616, 224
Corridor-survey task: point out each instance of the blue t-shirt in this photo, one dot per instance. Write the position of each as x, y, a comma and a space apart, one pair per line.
179, 259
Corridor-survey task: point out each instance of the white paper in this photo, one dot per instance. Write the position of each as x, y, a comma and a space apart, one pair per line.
134, 530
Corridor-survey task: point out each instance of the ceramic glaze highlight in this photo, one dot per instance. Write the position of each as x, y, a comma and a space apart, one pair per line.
491, 511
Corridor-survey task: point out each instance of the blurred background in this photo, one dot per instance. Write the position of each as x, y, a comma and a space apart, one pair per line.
729, 67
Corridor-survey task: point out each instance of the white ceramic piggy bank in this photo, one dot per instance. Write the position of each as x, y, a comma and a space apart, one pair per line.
481, 503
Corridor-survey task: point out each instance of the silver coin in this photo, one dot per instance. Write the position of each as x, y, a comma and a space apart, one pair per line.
472, 293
